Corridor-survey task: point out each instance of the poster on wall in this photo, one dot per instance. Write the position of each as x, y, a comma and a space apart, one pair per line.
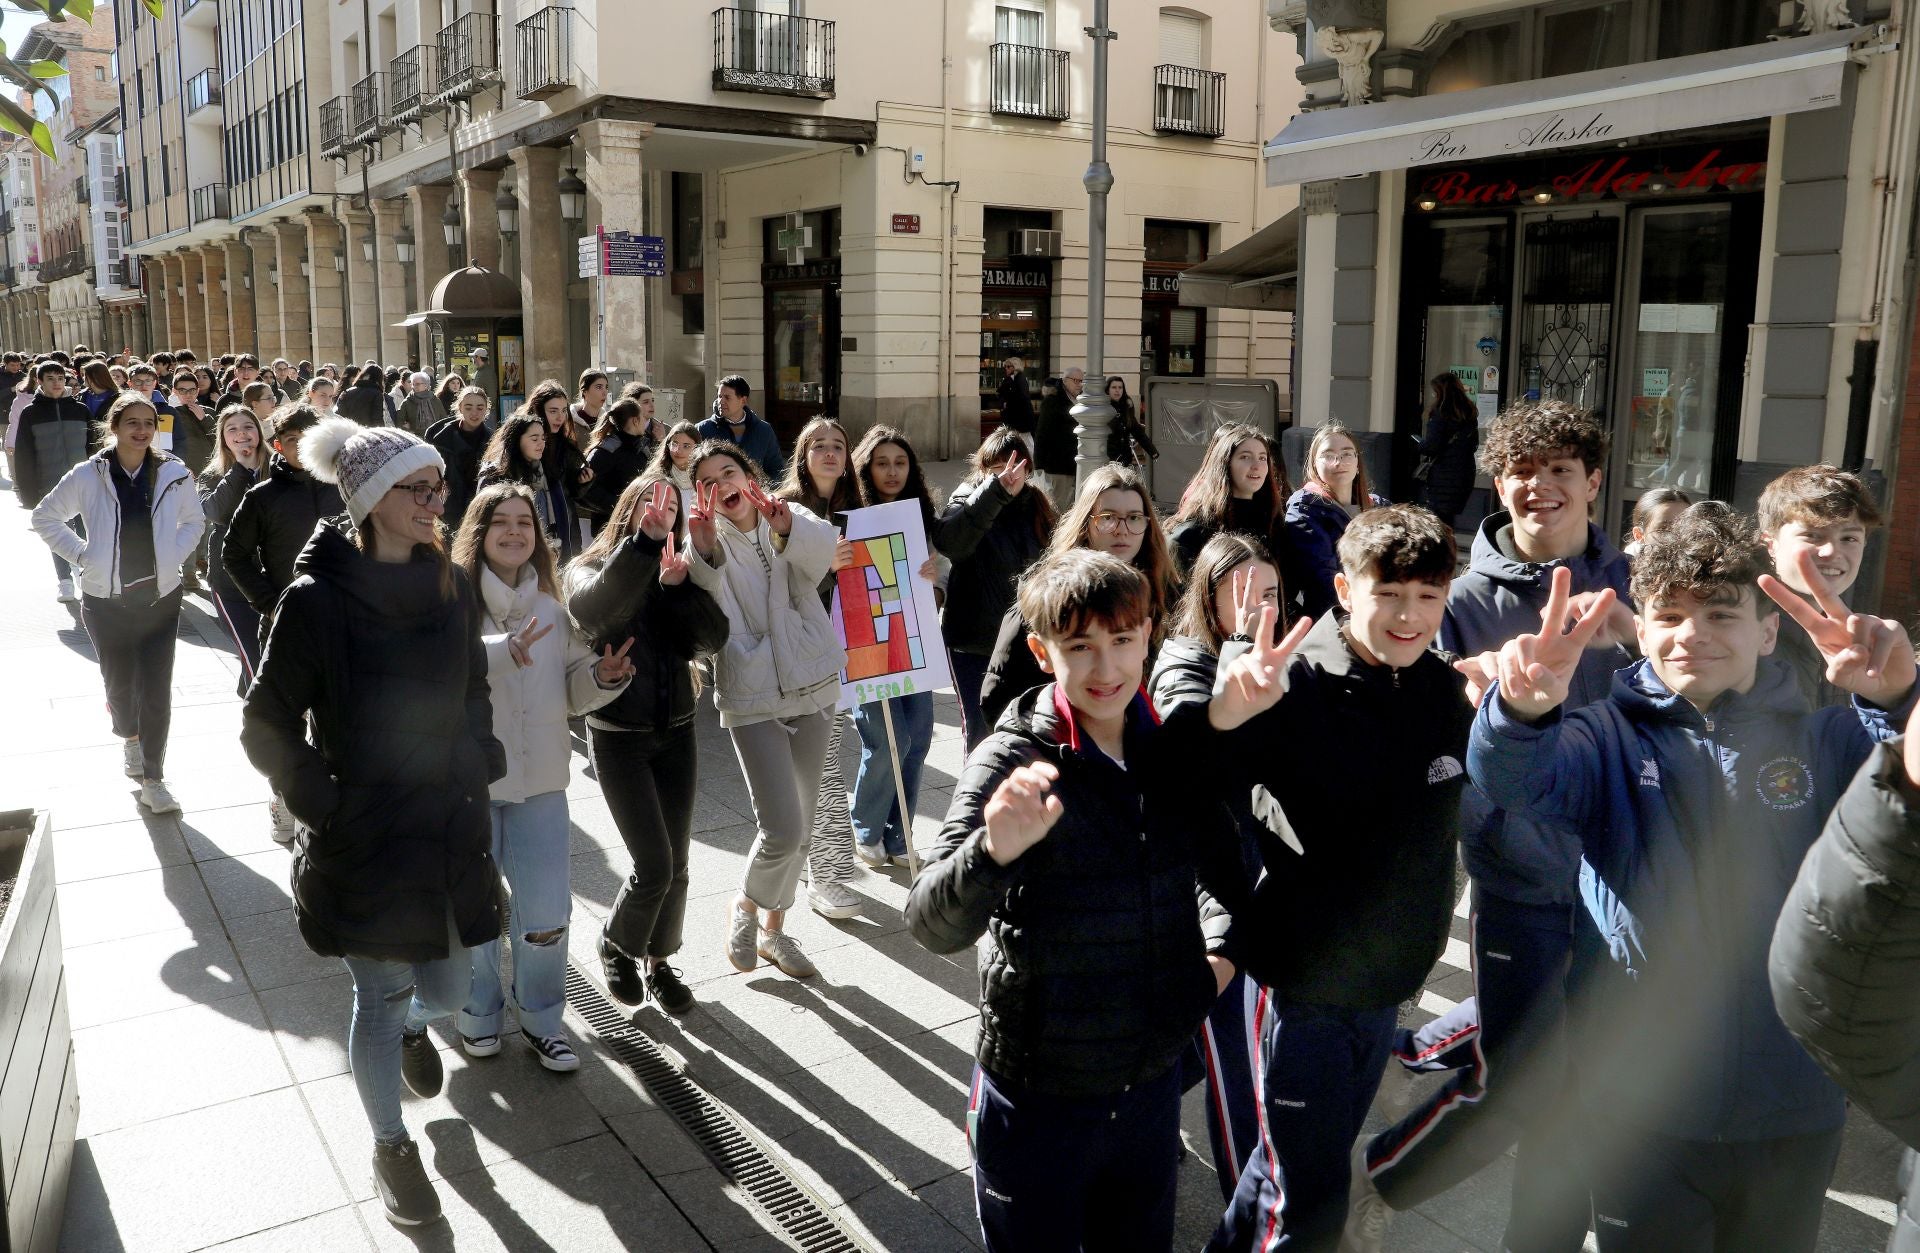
883, 611
513, 379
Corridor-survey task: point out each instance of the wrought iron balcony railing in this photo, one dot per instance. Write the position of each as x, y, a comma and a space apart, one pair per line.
772, 52
1187, 101
1029, 82
469, 56
545, 45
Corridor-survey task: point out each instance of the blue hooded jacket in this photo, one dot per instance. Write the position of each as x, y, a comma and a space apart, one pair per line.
1499, 597
1692, 829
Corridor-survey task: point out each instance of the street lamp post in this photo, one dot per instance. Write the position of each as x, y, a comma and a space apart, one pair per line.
1093, 412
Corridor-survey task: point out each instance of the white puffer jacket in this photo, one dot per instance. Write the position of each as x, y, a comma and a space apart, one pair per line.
531, 706
86, 492
781, 658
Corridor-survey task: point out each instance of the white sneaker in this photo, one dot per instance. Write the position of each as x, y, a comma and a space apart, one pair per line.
154, 795
784, 951
834, 900
65, 595
282, 821
1367, 1212
873, 855
132, 759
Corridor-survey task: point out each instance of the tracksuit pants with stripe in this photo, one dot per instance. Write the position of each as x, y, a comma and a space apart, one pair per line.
1229, 1052
1521, 955
1318, 1069
1067, 1173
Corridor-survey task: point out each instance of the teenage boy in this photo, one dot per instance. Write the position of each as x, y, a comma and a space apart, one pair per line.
1546, 459
1696, 788
1815, 521
1074, 849
1357, 898
51, 434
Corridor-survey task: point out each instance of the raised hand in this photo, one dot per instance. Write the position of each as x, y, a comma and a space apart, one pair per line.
1252, 682
1013, 475
842, 554
1480, 672
1246, 607
613, 667
778, 516
1021, 811
700, 520
1536, 670
520, 643
655, 520
1617, 627
673, 565
1868, 656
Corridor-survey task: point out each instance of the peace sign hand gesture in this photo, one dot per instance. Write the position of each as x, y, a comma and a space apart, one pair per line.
778, 516
700, 520
1013, 475
655, 522
613, 668
1021, 811
1536, 670
1252, 683
1246, 608
673, 566
1868, 656
520, 643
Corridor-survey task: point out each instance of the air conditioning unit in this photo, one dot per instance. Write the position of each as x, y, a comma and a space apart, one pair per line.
1033, 244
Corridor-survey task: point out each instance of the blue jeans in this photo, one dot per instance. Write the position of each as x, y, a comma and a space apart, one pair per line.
877, 819
390, 996
530, 847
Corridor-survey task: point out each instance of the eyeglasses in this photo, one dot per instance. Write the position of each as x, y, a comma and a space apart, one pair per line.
424, 493
1348, 457
1135, 523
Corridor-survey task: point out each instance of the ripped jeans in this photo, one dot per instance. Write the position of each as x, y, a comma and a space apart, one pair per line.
530, 847
390, 996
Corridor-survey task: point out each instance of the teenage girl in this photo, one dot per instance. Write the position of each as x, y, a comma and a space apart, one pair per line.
540, 672
1655, 511
517, 454
776, 680
238, 460
142, 521
631, 584
888, 470
618, 449
567, 471
1241, 486
675, 457
1113, 514
992, 529
1317, 516
820, 476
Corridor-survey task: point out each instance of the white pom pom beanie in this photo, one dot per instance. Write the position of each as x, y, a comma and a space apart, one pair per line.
365, 462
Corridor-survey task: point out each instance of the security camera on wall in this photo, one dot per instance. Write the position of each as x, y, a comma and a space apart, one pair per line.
859, 150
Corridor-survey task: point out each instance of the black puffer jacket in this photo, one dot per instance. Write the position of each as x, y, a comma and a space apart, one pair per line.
271, 528
989, 536
615, 461
392, 792
1013, 668
194, 436
1845, 962
622, 599
55, 435
367, 403
461, 450
1094, 975
1184, 671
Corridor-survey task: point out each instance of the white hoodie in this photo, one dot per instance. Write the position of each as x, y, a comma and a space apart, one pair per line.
86, 491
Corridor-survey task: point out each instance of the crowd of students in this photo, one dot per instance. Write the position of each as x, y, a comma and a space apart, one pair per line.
1221, 768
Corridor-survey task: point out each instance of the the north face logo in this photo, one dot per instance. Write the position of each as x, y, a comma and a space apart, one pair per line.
1649, 773
1444, 768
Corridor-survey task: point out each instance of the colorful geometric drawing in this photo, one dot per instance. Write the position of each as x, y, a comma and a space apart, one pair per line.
885, 639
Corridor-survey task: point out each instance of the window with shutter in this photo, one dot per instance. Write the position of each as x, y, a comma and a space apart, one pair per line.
1182, 40
1023, 24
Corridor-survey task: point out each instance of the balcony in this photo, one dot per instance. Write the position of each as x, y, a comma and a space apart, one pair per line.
469, 56
410, 77
201, 13
333, 127
9, 276
66, 265
1189, 102
545, 44
118, 187
207, 204
203, 90
774, 53
364, 123
6, 221
1030, 82
82, 190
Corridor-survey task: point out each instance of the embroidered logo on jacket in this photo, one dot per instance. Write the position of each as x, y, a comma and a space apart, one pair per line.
1649, 772
1785, 783
1444, 768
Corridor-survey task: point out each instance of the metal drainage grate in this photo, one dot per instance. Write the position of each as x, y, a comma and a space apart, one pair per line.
738, 1155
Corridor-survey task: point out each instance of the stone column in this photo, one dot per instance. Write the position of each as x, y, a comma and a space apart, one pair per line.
153, 281
176, 304
238, 265
429, 260
546, 262
194, 304
364, 332
332, 340
261, 248
213, 265
613, 199
296, 314
477, 214
395, 342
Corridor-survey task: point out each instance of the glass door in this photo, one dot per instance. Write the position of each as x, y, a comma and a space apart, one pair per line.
1680, 261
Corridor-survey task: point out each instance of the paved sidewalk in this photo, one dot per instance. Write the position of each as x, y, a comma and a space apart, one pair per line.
215, 1105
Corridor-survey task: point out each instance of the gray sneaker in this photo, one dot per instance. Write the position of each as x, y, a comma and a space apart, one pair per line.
131, 758
740, 932
154, 795
834, 900
784, 951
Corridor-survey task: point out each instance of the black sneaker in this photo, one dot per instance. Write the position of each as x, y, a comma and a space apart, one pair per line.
669, 992
420, 1063
622, 973
402, 1183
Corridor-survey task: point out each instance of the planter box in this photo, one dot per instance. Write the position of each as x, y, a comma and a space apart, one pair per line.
39, 1096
